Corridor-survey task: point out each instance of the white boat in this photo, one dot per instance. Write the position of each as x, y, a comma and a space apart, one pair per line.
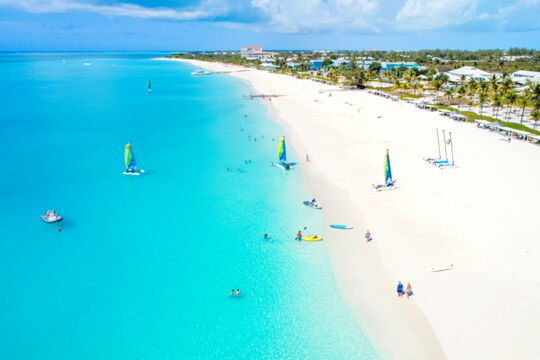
131, 164
200, 72
87, 63
51, 216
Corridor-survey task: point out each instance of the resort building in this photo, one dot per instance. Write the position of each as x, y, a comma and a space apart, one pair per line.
387, 66
521, 76
254, 53
469, 72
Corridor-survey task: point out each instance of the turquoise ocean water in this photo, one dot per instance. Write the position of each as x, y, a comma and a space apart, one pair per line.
143, 266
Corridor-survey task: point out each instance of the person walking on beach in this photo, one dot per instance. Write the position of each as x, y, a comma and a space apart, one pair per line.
408, 289
399, 289
307, 158
368, 236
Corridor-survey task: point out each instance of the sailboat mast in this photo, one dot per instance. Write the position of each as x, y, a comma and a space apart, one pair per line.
438, 142
451, 146
445, 151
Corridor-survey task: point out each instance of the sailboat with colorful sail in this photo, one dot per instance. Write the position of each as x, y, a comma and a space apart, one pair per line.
131, 163
389, 183
149, 86
282, 156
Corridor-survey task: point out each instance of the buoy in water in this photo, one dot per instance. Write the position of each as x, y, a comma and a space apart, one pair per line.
59, 229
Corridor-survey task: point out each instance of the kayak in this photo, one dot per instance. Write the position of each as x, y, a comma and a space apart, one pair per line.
346, 227
314, 205
312, 238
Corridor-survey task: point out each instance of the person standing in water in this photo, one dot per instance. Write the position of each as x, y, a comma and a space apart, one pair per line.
299, 235
237, 292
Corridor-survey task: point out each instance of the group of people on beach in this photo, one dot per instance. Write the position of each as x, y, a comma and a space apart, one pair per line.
408, 290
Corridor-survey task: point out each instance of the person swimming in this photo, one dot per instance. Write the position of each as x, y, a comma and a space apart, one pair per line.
266, 236
237, 292
232, 292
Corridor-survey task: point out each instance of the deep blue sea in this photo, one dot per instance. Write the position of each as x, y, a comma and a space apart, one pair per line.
143, 266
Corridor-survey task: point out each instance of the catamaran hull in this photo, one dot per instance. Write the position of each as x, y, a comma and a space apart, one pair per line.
137, 173
57, 219
313, 205
384, 187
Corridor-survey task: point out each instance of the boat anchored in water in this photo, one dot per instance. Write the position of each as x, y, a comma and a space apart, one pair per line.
200, 72
149, 87
87, 63
51, 216
131, 164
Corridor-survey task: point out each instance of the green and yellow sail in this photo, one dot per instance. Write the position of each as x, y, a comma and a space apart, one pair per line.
282, 152
131, 164
387, 169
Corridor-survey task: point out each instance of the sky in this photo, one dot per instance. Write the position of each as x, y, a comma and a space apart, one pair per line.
173, 25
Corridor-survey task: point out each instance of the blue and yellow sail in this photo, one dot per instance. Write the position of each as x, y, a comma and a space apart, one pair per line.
282, 152
149, 85
387, 169
131, 164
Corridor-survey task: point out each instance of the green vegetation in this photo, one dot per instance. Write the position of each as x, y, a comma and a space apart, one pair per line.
413, 96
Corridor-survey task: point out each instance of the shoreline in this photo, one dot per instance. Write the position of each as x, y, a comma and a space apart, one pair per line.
410, 338
435, 217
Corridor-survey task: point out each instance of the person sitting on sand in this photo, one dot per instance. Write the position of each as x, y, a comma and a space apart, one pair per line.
409, 290
400, 289
237, 292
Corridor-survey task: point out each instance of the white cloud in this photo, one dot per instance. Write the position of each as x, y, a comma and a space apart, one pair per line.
206, 10
309, 16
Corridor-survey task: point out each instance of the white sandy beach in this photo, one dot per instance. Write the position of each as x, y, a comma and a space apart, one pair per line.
481, 217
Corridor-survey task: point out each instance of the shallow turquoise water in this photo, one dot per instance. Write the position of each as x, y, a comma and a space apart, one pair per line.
144, 265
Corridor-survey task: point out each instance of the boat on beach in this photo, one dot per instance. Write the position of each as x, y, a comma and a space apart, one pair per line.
389, 183
131, 163
51, 216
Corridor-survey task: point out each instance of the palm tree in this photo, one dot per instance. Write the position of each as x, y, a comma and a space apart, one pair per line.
535, 116
437, 85
470, 103
482, 98
511, 98
522, 102
449, 93
496, 101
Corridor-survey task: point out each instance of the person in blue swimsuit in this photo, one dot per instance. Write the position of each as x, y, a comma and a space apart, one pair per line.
400, 289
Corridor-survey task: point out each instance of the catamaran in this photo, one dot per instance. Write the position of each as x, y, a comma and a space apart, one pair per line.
149, 86
389, 183
51, 216
282, 156
131, 164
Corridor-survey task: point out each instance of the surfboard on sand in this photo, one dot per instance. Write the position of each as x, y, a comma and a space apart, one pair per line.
346, 227
436, 268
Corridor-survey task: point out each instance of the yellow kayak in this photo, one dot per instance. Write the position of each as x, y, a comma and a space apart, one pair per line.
311, 238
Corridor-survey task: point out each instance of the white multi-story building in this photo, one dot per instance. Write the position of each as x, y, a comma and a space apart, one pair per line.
470, 72
254, 53
521, 76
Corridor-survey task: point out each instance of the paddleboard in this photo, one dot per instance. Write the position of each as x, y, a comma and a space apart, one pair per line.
314, 205
341, 226
437, 268
312, 238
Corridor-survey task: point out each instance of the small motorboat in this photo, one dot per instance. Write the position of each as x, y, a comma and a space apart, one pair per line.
51, 216
87, 63
199, 72
313, 204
